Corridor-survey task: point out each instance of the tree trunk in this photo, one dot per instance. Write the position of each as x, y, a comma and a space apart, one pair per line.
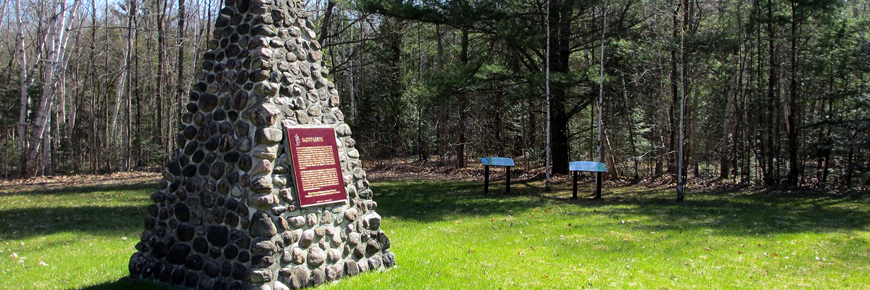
443, 104
769, 175
675, 99
562, 13
181, 86
56, 48
726, 149
794, 168
163, 137
463, 106
25, 97
327, 22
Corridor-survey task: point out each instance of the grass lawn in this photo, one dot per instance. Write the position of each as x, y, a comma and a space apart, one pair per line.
448, 235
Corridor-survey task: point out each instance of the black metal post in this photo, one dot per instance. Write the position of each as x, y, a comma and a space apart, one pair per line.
508, 180
598, 177
485, 179
575, 184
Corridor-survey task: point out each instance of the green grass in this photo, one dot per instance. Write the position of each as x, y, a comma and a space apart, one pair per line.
448, 235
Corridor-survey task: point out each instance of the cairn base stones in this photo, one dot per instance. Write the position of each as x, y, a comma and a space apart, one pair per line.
226, 214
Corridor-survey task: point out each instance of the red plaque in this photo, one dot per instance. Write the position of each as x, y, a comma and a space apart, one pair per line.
316, 167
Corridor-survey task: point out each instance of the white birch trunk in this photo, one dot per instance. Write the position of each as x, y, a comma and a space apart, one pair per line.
25, 98
56, 43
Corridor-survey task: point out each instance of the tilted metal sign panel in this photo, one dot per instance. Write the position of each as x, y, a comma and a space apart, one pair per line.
591, 166
497, 161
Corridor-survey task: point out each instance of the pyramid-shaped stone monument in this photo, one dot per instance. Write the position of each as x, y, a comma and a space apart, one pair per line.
268, 191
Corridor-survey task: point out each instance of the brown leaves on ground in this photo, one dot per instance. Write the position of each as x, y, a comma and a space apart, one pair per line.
62, 181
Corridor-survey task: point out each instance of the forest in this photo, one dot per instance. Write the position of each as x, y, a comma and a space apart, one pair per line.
763, 92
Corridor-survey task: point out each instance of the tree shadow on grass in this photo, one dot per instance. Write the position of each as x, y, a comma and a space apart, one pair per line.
130, 284
76, 189
23, 223
724, 213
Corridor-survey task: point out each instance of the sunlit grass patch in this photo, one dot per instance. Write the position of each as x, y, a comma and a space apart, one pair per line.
448, 235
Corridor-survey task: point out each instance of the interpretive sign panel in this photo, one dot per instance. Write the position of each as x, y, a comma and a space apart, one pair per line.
316, 167
590, 166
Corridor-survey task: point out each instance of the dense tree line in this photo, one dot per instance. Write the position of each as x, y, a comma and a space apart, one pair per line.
773, 92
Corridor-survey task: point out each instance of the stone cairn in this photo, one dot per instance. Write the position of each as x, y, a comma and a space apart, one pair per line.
225, 215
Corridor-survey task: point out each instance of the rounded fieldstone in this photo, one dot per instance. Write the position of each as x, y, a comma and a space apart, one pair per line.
226, 143
316, 257
297, 222
299, 278
353, 238
226, 269
231, 204
212, 143
239, 271
265, 247
359, 251
206, 198
265, 115
178, 253
298, 256
223, 186
225, 127
235, 285
363, 265
262, 226
244, 257
204, 169
269, 136
259, 75
312, 219
198, 156
334, 272
245, 145
165, 274
261, 260
191, 279
194, 262
159, 250
137, 264
231, 252
214, 253
240, 98
246, 162
191, 147
260, 276
262, 185
217, 235
372, 221
389, 259
185, 232
207, 102
189, 170
242, 210
374, 262
232, 157
307, 238
178, 275
373, 247
219, 285
189, 132
333, 255
317, 277
241, 128
350, 268
200, 245
153, 209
